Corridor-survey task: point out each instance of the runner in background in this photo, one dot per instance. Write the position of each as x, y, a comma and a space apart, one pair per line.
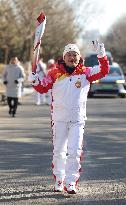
41, 71
21, 83
51, 64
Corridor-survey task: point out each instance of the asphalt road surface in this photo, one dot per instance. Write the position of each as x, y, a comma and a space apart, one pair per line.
26, 155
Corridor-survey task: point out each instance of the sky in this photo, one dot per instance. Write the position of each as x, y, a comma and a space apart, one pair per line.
113, 9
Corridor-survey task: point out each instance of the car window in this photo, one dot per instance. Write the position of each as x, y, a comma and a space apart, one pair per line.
115, 71
92, 60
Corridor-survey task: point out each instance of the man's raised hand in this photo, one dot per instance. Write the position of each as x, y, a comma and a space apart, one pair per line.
99, 48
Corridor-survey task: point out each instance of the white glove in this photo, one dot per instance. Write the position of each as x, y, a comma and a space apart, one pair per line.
33, 78
99, 48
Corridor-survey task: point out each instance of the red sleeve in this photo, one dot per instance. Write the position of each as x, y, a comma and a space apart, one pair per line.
100, 71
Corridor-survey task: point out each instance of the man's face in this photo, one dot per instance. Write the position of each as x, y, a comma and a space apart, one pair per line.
14, 60
72, 59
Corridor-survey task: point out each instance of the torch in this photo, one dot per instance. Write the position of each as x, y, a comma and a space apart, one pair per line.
41, 22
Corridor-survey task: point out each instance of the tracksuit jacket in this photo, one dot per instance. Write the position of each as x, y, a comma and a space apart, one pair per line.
69, 91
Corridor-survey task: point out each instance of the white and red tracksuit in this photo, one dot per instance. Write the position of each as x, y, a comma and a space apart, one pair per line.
69, 94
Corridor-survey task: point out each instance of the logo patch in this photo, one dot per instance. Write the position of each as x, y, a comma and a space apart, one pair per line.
78, 84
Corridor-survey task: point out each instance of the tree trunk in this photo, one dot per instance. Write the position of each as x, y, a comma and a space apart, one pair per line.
6, 55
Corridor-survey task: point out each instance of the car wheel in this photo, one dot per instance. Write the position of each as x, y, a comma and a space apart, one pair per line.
122, 95
90, 95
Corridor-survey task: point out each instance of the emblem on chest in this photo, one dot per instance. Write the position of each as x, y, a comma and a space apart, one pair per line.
78, 83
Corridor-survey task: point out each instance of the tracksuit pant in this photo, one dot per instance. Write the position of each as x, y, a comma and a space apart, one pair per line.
68, 143
41, 98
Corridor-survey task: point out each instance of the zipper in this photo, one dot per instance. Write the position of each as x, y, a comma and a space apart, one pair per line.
70, 98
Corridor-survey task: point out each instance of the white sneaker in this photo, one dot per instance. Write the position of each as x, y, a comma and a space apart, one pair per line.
38, 103
70, 188
59, 186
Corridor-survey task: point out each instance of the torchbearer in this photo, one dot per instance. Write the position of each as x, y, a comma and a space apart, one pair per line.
70, 83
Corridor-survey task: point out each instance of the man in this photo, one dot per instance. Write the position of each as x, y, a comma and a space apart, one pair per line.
70, 83
12, 77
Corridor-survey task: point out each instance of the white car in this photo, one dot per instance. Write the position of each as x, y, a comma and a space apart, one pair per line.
111, 85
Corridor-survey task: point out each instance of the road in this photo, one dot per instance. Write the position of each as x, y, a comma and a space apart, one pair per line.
26, 155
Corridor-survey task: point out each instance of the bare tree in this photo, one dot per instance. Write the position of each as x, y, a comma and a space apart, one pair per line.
65, 20
60, 25
115, 40
8, 32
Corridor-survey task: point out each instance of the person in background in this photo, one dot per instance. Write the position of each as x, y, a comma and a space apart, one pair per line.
51, 64
70, 83
21, 83
41, 71
12, 77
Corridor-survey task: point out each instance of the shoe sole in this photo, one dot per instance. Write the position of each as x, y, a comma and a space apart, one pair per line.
55, 190
69, 192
